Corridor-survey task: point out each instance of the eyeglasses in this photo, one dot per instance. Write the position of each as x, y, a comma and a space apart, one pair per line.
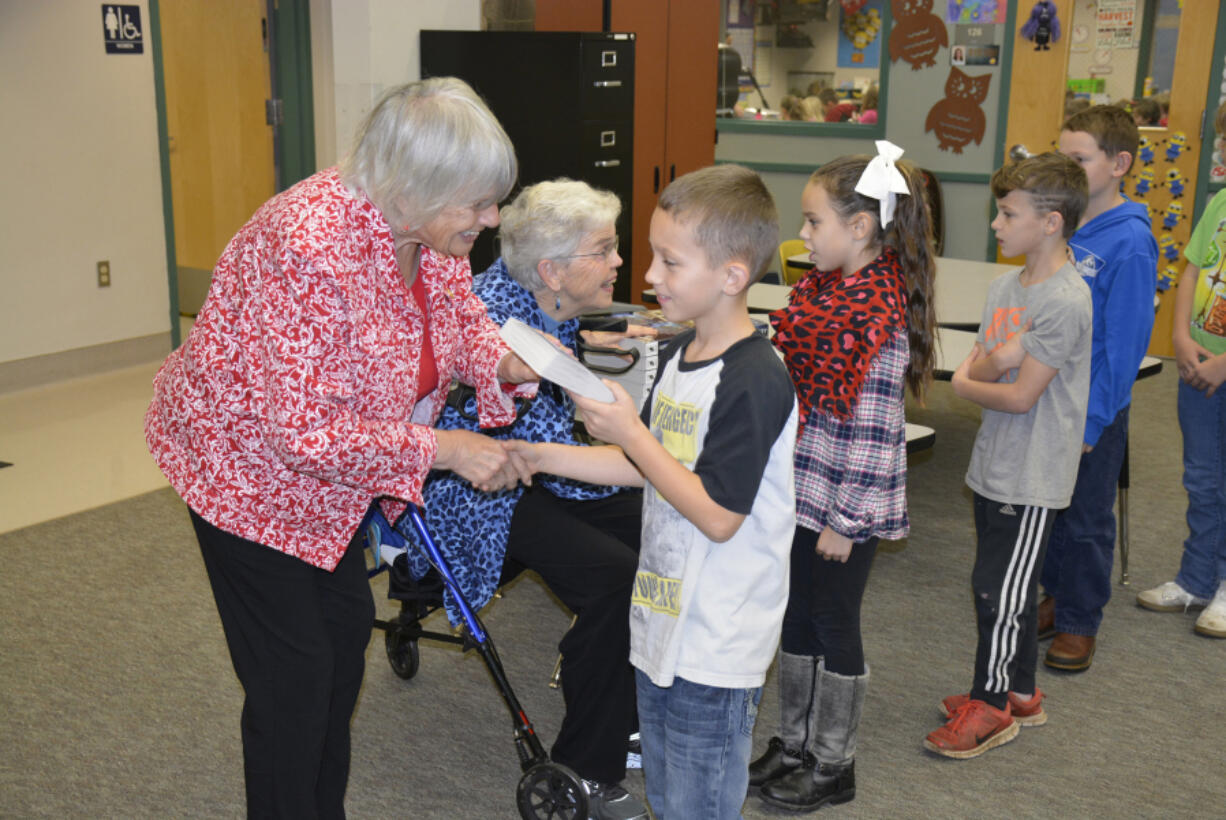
607, 251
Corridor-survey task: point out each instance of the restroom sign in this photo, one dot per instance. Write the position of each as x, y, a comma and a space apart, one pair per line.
121, 29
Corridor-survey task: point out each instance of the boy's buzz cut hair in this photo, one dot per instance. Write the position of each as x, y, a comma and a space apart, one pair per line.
1054, 182
731, 213
1112, 128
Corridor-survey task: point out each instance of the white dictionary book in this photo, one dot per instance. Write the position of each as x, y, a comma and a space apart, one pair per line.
552, 363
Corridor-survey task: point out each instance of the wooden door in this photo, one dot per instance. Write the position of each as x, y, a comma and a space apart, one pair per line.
1175, 160
693, 40
569, 15
1036, 93
674, 102
674, 94
648, 19
221, 149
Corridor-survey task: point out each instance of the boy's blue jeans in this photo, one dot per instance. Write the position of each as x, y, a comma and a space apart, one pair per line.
1203, 422
1081, 552
696, 741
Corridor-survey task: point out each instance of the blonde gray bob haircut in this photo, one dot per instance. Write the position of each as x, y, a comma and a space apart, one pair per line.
549, 220
427, 145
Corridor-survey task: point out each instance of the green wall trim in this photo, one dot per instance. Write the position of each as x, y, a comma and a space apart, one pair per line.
808, 168
771, 167
1002, 110
1146, 46
168, 212
806, 129
292, 28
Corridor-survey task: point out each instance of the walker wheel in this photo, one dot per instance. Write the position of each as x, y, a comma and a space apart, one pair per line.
550, 790
402, 653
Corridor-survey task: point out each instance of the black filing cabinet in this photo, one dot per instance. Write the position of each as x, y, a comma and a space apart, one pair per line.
566, 100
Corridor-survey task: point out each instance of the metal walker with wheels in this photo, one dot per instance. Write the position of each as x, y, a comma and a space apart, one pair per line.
546, 790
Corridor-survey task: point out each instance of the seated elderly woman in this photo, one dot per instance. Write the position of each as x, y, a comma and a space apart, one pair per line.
559, 260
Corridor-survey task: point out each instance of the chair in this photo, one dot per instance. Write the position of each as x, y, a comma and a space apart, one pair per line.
790, 273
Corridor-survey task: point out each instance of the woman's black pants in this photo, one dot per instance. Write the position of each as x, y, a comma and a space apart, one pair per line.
586, 552
297, 636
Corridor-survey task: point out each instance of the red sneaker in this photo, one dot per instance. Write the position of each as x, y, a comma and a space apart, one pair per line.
1025, 712
974, 728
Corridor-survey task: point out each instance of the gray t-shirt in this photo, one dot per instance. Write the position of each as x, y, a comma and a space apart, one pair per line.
1031, 458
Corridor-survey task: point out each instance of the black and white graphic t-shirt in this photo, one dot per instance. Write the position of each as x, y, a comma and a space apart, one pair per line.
707, 611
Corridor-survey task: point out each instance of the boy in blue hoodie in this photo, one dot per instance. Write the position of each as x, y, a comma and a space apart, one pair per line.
1117, 255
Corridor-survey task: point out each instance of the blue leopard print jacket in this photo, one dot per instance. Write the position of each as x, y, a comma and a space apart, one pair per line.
471, 527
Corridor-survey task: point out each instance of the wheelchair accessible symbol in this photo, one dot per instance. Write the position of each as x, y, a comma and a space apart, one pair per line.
121, 29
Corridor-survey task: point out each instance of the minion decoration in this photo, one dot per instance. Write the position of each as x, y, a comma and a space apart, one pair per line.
1174, 213
862, 27
1145, 151
1167, 277
1145, 179
1174, 182
1175, 145
1168, 247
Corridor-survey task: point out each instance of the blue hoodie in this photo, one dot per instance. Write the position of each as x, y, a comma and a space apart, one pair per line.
1118, 257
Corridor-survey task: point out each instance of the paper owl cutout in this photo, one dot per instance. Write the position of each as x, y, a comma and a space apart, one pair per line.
957, 119
918, 34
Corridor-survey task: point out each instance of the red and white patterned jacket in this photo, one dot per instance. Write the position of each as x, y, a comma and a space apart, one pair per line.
292, 403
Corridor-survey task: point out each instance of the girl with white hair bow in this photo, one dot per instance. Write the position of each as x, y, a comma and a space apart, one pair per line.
856, 332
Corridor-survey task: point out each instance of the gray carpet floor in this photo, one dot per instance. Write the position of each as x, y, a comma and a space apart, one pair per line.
118, 699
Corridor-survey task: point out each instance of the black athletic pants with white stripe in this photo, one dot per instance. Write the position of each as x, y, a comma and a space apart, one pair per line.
1011, 540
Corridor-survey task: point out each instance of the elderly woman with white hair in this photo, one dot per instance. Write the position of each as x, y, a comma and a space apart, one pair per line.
337, 318
559, 260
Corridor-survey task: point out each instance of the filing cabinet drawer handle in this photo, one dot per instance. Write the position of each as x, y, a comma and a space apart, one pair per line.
608, 139
608, 163
608, 83
608, 59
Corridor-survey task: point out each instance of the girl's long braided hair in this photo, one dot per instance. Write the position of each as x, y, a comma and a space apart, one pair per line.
910, 234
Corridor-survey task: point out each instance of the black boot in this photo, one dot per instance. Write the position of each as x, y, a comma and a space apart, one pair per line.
798, 681
812, 786
832, 779
775, 763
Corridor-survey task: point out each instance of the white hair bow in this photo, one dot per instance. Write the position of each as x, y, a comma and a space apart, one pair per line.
883, 181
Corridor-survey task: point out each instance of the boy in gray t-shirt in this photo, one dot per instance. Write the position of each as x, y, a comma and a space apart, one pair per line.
1030, 371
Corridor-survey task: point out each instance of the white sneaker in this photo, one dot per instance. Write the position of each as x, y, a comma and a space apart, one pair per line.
634, 752
1170, 597
1212, 622
612, 802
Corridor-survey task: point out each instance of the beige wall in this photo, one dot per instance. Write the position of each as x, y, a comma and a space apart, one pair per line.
81, 184
373, 46
83, 179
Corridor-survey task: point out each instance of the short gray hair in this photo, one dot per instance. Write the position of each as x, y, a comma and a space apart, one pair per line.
548, 220
427, 145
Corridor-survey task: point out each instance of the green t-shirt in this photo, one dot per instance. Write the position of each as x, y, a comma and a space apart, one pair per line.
1207, 250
